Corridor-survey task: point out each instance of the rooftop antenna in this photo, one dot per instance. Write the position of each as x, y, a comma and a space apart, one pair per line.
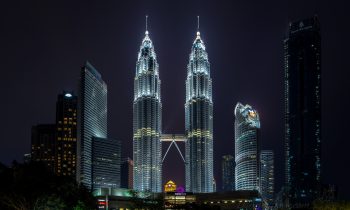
198, 33
197, 23
146, 24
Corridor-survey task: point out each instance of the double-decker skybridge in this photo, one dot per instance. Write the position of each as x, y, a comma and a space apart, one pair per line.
173, 138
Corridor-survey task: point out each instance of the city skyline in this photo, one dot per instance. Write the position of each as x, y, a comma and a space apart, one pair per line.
108, 64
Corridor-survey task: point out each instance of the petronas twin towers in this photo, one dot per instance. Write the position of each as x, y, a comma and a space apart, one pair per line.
147, 120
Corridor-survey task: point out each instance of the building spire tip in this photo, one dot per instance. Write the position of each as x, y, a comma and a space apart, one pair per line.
146, 25
198, 23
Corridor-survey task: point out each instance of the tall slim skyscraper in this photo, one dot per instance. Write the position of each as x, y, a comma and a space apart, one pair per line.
66, 143
147, 121
247, 125
199, 120
228, 173
267, 178
303, 111
43, 145
106, 158
92, 119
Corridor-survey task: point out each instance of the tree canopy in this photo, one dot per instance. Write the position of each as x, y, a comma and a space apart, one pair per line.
31, 186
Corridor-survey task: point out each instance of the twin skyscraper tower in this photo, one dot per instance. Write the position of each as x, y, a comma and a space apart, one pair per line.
147, 120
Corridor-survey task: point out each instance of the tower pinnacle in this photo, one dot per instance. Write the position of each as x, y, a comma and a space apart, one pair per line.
198, 33
146, 25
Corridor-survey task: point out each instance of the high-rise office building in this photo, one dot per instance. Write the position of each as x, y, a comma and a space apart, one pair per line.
127, 169
43, 145
303, 111
228, 173
66, 139
106, 158
199, 120
267, 179
247, 126
147, 121
92, 119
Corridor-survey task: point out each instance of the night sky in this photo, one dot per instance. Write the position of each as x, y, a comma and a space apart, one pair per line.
43, 45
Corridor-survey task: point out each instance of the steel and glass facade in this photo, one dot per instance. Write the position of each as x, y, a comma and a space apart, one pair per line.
92, 119
247, 125
303, 111
66, 143
106, 161
199, 121
147, 122
267, 178
228, 173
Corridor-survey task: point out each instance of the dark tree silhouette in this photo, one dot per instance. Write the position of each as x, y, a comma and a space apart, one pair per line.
31, 186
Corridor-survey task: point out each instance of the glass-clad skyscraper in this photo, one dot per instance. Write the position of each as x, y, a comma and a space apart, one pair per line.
267, 179
303, 111
228, 173
199, 120
247, 125
147, 120
106, 162
92, 119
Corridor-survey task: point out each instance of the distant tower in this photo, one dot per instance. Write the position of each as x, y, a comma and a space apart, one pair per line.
247, 125
92, 119
43, 145
199, 121
267, 176
66, 145
106, 158
303, 111
228, 173
27, 157
127, 170
147, 120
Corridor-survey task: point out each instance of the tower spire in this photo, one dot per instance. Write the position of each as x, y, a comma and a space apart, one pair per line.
198, 23
198, 33
146, 25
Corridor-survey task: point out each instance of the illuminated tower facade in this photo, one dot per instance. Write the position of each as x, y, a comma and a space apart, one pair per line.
303, 111
247, 125
92, 119
199, 121
66, 144
267, 176
147, 120
106, 158
43, 145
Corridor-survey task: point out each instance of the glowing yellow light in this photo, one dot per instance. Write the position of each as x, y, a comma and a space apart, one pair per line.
252, 114
170, 186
